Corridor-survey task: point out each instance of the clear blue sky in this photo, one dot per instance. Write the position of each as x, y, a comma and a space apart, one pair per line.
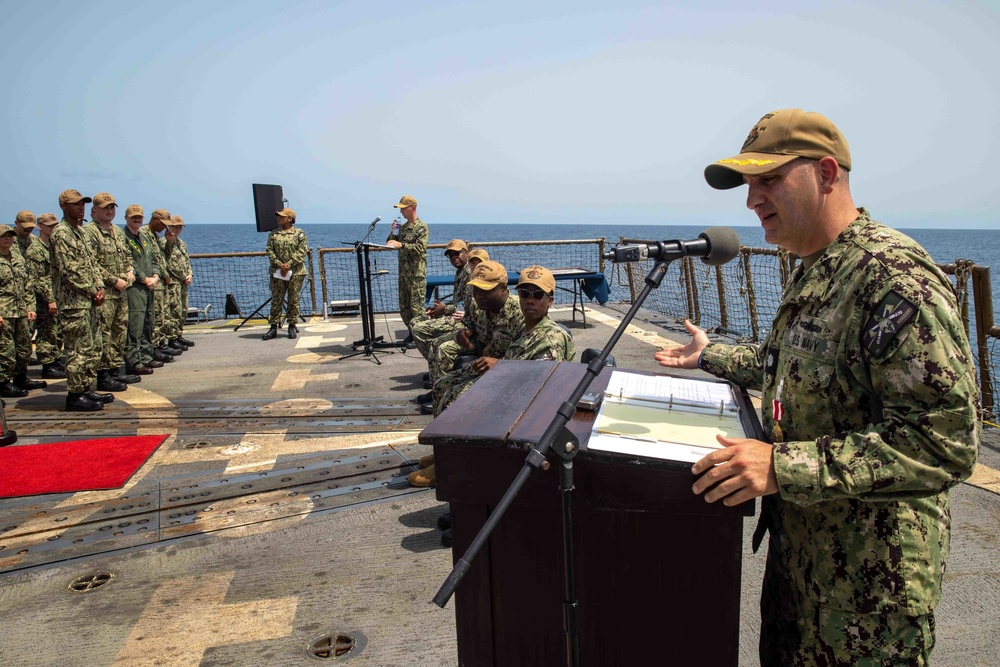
491, 112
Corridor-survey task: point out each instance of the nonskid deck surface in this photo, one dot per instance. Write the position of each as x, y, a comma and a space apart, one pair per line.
275, 522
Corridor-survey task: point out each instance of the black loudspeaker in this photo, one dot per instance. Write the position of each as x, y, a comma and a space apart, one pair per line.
267, 200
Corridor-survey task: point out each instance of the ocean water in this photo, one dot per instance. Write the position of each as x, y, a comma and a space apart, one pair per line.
944, 245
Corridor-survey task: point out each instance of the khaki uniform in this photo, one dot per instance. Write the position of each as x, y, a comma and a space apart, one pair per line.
870, 397
115, 262
77, 278
287, 247
546, 341
48, 340
412, 268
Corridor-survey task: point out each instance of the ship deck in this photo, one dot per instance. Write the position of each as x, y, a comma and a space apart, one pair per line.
275, 521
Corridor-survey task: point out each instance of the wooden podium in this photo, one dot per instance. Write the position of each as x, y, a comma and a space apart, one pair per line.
657, 568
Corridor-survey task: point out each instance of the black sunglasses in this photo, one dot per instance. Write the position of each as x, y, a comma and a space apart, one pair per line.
535, 294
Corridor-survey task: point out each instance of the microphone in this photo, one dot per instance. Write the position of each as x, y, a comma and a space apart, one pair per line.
375, 221
715, 246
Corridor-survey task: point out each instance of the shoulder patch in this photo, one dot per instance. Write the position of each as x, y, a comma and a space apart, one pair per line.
890, 315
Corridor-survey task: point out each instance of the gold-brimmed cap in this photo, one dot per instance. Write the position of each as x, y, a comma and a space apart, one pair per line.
160, 214
6, 229
456, 245
538, 276
405, 202
47, 219
488, 275
285, 213
175, 221
777, 139
479, 253
26, 218
133, 210
104, 200
72, 197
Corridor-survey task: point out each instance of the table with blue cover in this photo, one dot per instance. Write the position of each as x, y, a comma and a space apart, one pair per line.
582, 282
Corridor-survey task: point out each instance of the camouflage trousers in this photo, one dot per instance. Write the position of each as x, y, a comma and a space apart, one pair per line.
799, 633
20, 331
279, 289
159, 314
48, 339
443, 352
8, 353
452, 385
82, 337
412, 294
139, 338
173, 318
114, 327
426, 330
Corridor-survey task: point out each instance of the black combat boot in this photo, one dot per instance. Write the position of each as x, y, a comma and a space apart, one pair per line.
127, 378
293, 331
272, 333
185, 341
107, 383
175, 344
100, 398
22, 382
170, 349
53, 372
76, 402
7, 390
162, 357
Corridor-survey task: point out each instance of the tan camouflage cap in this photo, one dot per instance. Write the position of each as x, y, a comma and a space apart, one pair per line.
72, 197
777, 139
133, 210
26, 218
104, 200
488, 275
160, 214
47, 219
479, 254
455, 245
7, 229
286, 213
405, 202
175, 221
538, 276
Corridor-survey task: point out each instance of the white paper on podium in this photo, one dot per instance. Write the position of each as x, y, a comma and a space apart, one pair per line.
664, 417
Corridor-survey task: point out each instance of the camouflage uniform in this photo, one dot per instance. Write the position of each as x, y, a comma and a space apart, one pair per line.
77, 278
287, 247
546, 341
23, 245
178, 267
870, 396
491, 336
426, 329
15, 334
412, 268
114, 261
187, 271
139, 339
48, 341
160, 291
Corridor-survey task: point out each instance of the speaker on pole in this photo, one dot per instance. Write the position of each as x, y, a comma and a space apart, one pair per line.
267, 200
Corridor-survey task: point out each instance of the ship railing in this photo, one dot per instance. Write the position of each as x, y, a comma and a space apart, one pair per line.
737, 300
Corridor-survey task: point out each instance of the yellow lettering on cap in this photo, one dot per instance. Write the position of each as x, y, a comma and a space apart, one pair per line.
747, 162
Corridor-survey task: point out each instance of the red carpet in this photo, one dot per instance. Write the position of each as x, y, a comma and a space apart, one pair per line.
81, 465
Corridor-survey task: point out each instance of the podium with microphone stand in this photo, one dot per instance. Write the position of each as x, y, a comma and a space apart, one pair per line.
655, 578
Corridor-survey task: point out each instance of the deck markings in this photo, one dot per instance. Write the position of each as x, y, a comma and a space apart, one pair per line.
295, 379
309, 342
632, 330
312, 358
985, 477
188, 615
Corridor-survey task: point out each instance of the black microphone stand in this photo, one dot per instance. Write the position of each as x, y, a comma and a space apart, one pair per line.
369, 343
566, 449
